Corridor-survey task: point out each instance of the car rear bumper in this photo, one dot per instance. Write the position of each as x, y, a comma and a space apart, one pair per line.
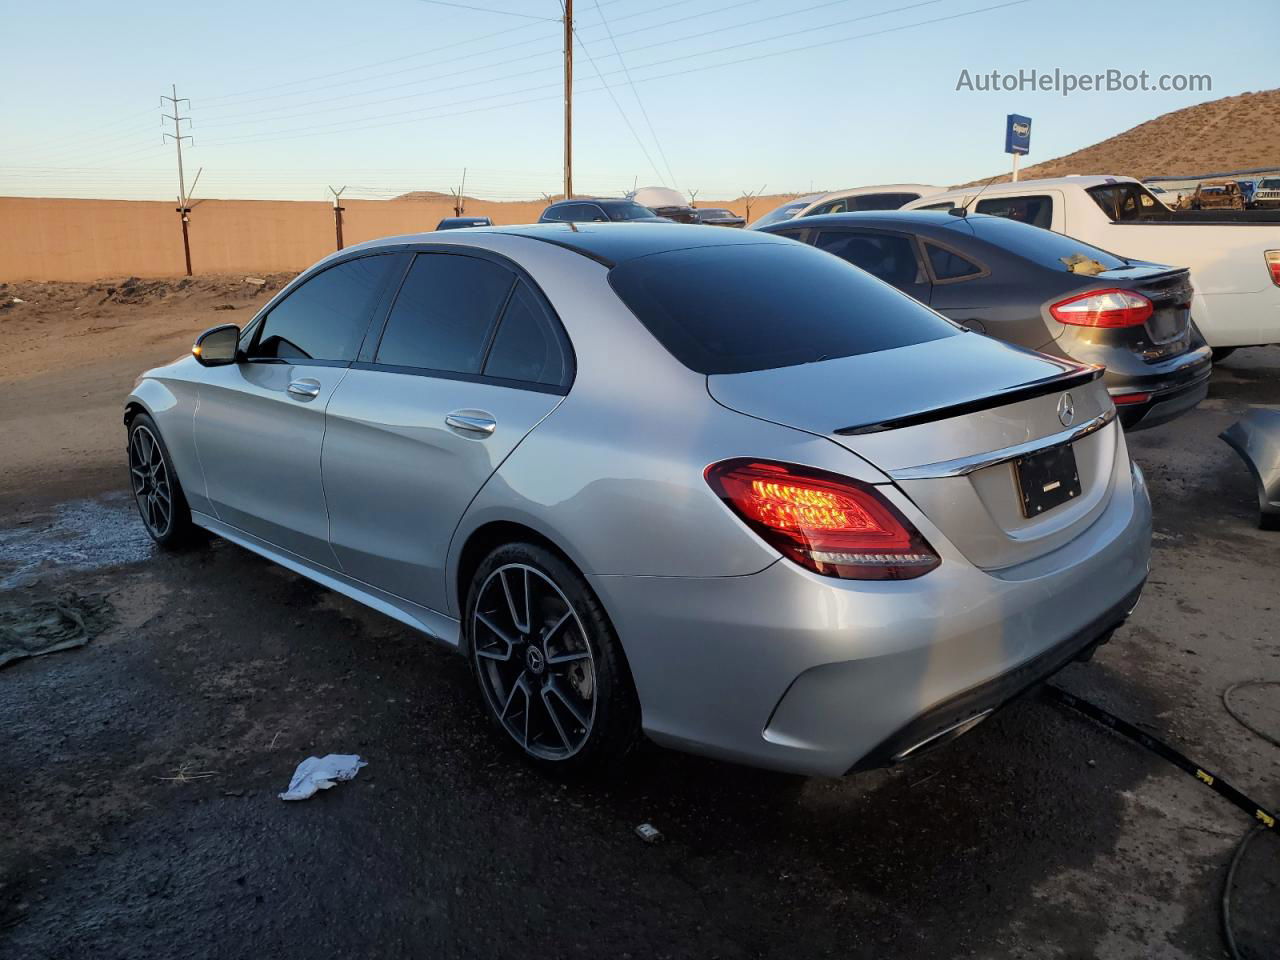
1164, 405
793, 671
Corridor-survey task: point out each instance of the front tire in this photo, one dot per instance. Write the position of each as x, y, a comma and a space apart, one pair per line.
155, 486
550, 669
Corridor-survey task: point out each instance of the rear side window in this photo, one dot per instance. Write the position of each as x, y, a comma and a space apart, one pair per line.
528, 345
882, 201
889, 257
947, 265
326, 317
1037, 211
444, 313
734, 308
1053, 250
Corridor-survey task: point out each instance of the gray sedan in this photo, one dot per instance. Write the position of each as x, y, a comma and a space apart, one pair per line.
721, 489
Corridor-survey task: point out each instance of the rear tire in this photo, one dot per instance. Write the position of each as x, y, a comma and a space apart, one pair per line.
156, 490
551, 671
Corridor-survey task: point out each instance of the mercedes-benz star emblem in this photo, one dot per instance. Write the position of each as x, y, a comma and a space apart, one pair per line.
1066, 409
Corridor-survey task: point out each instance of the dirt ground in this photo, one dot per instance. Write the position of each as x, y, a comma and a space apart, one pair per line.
139, 773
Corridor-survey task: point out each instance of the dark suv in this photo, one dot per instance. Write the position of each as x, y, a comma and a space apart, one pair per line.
598, 210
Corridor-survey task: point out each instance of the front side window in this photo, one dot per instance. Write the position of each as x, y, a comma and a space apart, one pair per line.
741, 307
326, 317
527, 346
1037, 211
444, 313
887, 256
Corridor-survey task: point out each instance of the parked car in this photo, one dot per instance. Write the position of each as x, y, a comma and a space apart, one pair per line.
592, 459
666, 202
1217, 195
598, 210
458, 223
783, 211
1267, 195
1234, 262
1039, 290
885, 197
720, 217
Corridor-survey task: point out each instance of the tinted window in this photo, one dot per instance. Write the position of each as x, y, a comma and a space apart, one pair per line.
784, 212
891, 258
627, 211
950, 266
553, 213
1049, 249
326, 317
831, 206
1037, 211
882, 201
945, 205
580, 212
1269, 185
527, 346
738, 307
1125, 201
444, 312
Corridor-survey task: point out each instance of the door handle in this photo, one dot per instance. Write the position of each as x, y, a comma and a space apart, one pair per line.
304, 389
470, 423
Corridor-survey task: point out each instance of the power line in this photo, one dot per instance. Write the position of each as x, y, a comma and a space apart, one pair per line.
621, 112
508, 13
635, 93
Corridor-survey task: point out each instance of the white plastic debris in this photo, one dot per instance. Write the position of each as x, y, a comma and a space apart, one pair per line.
648, 833
321, 773
16, 300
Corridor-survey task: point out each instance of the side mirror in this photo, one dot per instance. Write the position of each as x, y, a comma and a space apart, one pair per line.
217, 346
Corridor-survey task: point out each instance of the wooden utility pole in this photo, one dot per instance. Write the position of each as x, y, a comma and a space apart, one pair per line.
568, 99
178, 136
337, 212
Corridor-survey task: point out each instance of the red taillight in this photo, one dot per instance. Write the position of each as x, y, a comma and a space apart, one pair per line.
1103, 308
828, 523
1273, 264
1125, 399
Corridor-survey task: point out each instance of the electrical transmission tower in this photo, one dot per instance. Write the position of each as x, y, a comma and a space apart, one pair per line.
178, 136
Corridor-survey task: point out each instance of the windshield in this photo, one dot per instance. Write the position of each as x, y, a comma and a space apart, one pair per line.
757, 306
784, 212
1270, 184
628, 211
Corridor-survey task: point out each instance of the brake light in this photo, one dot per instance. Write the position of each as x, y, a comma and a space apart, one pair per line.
827, 523
1273, 264
1104, 308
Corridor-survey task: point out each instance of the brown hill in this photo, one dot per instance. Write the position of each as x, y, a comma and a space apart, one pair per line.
1234, 133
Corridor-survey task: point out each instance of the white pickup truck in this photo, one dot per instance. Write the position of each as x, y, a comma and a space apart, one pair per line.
1234, 256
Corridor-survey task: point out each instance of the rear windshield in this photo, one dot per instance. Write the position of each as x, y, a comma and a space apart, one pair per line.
1048, 249
740, 307
1126, 201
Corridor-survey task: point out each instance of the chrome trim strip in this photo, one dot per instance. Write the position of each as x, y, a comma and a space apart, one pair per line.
962, 466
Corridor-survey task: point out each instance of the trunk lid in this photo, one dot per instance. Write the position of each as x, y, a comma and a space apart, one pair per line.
946, 420
1167, 332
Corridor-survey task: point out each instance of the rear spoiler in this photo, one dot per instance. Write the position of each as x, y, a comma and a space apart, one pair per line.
1074, 375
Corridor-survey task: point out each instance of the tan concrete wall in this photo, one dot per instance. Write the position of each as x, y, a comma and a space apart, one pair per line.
63, 239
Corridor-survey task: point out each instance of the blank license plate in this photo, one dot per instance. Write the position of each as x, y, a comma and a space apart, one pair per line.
1046, 479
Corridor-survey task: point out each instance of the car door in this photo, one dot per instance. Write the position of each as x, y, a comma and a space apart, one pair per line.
890, 256
471, 358
259, 423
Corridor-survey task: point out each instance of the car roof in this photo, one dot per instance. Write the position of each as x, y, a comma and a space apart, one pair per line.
606, 243
592, 200
901, 219
1027, 186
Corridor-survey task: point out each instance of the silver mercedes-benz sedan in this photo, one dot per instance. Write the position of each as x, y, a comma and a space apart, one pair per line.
715, 487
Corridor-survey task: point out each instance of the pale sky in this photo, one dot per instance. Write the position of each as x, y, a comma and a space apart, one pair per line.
387, 96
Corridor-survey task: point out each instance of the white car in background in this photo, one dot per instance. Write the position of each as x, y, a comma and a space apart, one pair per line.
889, 196
1234, 262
